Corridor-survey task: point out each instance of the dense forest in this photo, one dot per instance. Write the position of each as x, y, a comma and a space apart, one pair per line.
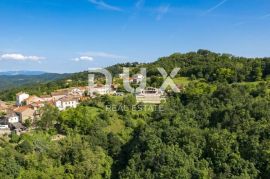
218, 127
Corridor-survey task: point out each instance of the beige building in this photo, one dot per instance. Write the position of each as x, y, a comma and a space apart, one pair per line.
59, 94
24, 113
46, 98
150, 96
33, 99
100, 89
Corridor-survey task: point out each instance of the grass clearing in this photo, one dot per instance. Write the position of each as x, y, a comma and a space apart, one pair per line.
182, 81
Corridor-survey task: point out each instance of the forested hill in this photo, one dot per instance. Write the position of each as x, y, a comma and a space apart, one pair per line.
37, 84
204, 64
14, 81
214, 66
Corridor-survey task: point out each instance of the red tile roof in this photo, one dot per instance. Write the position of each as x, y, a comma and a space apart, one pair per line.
22, 109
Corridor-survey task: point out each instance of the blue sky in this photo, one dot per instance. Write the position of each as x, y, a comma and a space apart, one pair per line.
74, 35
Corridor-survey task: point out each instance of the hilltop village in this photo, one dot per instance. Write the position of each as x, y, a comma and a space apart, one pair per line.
19, 116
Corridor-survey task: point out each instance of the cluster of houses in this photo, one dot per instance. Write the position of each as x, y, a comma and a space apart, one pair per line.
137, 78
27, 107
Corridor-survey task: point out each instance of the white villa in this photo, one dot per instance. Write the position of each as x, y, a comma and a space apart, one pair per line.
138, 78
101, 90
12, 117
20, 97
67, 102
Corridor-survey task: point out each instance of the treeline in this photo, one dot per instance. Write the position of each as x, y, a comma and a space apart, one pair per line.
214, 66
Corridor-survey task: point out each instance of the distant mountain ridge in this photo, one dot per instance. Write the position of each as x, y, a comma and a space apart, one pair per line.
20, 72
26, 78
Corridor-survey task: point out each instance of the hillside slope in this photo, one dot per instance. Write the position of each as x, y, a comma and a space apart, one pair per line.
203, 64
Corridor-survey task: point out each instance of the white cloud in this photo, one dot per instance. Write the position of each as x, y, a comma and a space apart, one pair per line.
20, 57
161, 11
103, 55
83, 58
215, 7
104, 5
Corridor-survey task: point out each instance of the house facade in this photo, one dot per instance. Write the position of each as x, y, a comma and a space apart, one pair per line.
46, 98
101, 90
20, 97
59, 94
25, 113
32, 99
12, 117
67, 102
138, 78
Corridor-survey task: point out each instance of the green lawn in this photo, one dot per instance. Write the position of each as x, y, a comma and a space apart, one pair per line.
182, 80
